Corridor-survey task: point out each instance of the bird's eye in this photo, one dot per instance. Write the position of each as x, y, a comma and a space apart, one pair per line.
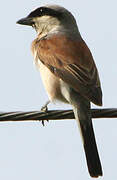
44, 11
41, 10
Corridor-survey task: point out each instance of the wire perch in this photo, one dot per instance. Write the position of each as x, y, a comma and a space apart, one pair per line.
53, 115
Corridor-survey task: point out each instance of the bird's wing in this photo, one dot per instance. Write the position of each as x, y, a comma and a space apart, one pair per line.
71, 61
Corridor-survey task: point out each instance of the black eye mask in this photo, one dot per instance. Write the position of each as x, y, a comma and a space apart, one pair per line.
42, 11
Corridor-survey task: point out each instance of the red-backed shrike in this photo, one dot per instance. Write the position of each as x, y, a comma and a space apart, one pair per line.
68, 70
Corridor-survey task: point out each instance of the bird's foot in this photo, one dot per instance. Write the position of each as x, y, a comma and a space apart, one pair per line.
45, 109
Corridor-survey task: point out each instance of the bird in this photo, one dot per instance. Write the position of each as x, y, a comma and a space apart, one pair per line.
68, 71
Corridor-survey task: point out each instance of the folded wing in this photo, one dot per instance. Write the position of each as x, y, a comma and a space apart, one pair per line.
71, 61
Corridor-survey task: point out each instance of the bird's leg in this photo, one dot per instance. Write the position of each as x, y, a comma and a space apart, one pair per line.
44, 108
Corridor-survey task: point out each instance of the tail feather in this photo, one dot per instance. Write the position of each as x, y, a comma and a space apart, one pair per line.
91, 152
83, 116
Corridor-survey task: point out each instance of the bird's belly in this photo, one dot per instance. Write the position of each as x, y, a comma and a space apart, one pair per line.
51, 82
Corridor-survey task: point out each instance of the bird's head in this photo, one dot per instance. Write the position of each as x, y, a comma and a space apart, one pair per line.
50, 18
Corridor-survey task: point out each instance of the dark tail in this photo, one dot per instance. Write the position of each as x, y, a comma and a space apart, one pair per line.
83, 116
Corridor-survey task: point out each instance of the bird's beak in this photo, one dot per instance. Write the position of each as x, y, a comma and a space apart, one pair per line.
26, 21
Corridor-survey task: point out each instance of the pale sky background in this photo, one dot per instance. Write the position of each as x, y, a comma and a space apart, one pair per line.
54, 152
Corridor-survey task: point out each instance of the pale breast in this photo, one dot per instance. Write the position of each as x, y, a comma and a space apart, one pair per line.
51, 83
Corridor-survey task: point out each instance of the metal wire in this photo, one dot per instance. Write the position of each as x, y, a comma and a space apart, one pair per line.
54, 115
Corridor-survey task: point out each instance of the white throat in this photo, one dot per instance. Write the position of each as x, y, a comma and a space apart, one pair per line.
48, 25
